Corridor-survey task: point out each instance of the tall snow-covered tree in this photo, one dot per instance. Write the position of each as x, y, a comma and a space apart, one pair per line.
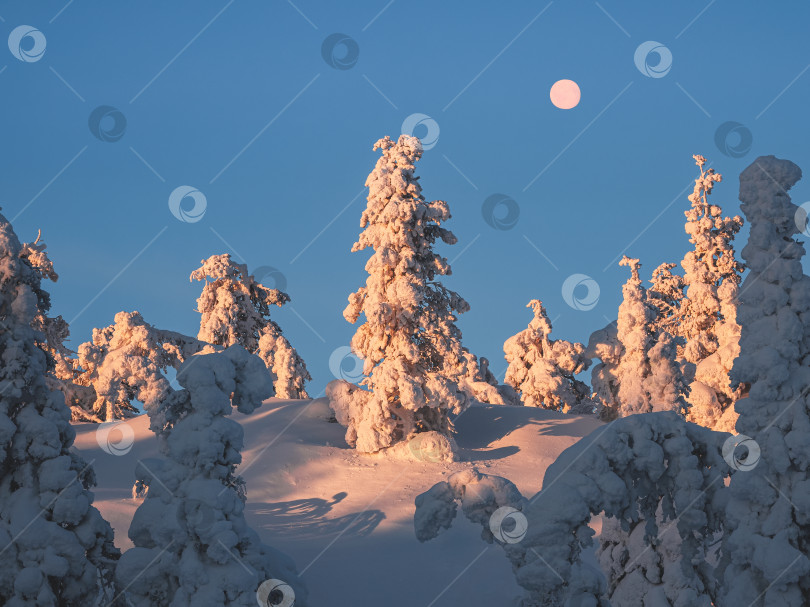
648, 375
127, 361
709, 310
56, 549
235, 309
409, 343
542, 369
767, 536
192, 543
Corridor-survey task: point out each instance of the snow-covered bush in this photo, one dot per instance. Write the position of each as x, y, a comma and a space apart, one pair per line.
127, 361
629, 469
55, 548
413, 360
542, 370
482, 385
235, 309
605, 346
192, 544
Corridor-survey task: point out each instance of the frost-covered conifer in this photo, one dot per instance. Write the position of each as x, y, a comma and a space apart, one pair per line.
542, 370
708, 312
235, 309
409, 342
648, 375
767, 538
55, 548
192, 544
127, 361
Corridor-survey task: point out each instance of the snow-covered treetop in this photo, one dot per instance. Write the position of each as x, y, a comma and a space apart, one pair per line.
235, 307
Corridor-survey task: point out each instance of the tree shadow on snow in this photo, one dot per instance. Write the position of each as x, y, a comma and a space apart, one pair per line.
480, 455
306, 518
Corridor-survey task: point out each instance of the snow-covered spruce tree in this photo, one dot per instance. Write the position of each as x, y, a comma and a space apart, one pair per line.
62, 365
127, 361
235, 309
542, 370
767, 537
666, 294
410, 345
648, 375
55, 548
708, 312
192, 544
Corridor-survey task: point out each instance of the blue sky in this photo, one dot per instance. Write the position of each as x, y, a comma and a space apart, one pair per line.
236, 99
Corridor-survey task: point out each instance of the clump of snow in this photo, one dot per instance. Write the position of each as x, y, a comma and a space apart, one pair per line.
190, 535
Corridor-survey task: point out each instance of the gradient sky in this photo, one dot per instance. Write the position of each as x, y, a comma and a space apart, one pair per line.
236, 99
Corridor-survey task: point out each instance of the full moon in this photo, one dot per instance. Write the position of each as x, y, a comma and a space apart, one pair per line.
565, 94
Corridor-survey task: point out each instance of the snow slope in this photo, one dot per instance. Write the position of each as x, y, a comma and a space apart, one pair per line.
347, 518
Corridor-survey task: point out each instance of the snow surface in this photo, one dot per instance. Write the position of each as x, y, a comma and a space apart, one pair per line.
347, 518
